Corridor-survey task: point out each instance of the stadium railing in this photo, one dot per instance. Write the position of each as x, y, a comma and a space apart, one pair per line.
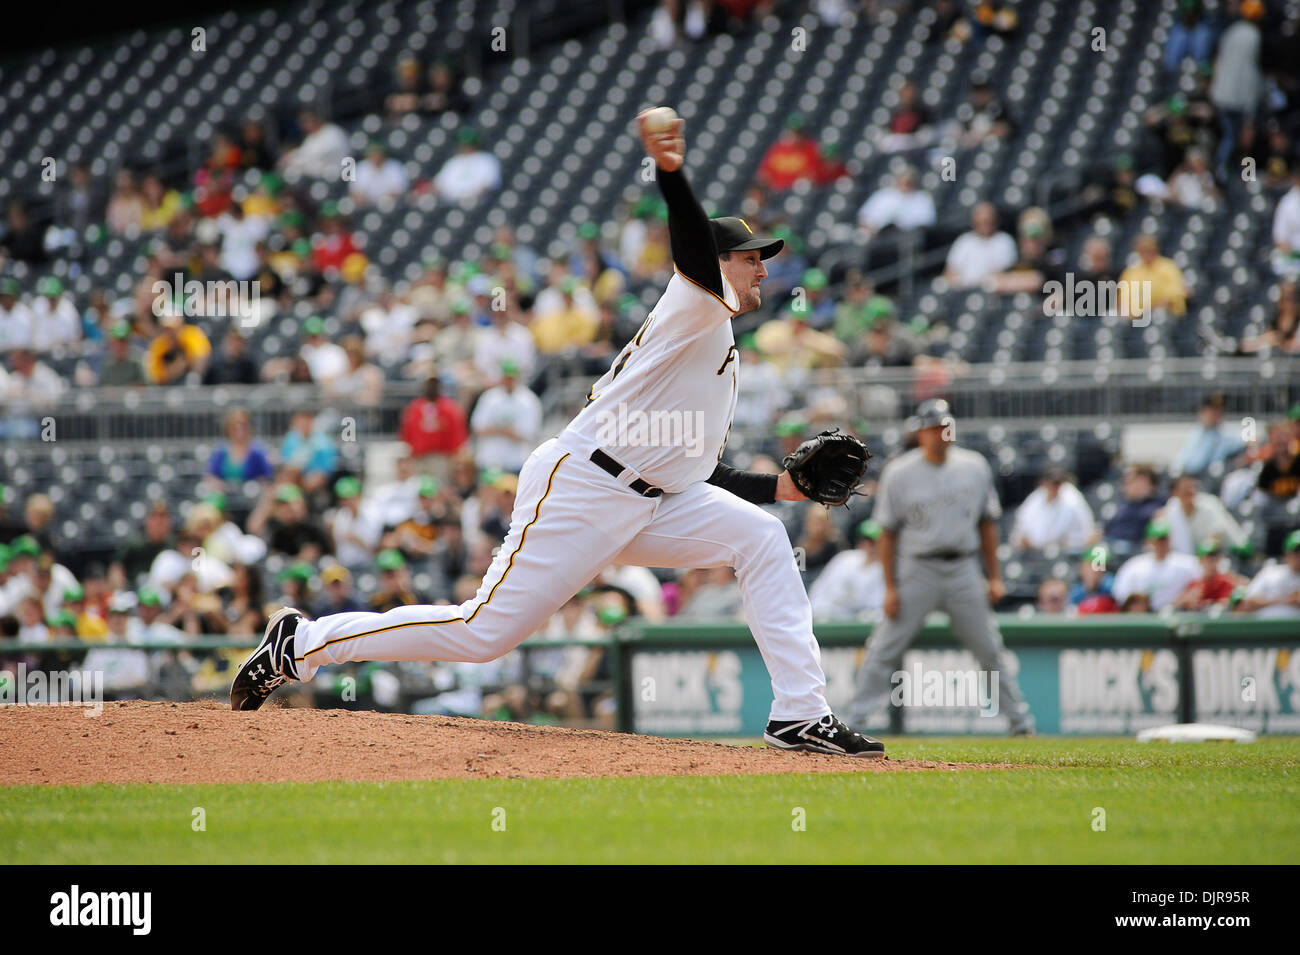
1116, 391
158, 414
1085, 391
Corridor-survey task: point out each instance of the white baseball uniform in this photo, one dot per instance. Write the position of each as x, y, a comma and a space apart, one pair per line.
571, 518
663, 411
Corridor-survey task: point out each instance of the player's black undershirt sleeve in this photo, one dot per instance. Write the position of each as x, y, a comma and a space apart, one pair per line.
694, 251
746, 485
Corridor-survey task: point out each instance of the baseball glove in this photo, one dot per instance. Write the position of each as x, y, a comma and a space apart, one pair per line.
829, 467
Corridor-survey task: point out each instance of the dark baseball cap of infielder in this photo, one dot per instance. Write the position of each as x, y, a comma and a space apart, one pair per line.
932, 413
731, 234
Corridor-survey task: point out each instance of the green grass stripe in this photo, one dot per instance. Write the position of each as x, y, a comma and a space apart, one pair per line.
1163, 804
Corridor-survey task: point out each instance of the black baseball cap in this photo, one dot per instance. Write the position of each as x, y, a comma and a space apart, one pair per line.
731, 234
932, 413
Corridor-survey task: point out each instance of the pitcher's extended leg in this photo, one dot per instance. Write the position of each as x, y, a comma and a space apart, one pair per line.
705, 526
567, 524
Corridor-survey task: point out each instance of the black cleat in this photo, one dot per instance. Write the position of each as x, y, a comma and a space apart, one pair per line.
825, 735
270, 665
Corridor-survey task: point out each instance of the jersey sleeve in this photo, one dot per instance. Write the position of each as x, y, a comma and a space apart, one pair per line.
482, 413
694, 252
1125, 583
885, 513
1258, 588
1083, 524
748, 485
992, 506
530, 421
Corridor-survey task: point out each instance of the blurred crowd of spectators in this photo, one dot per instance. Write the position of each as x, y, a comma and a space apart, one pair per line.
326, 541
1177, 545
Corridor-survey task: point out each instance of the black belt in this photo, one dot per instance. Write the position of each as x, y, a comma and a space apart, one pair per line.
606, 463
945, 555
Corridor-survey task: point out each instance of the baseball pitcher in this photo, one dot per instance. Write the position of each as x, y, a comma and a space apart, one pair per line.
635, 478
938, 509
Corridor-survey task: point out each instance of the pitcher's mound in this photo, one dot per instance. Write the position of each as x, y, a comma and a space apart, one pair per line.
206, 742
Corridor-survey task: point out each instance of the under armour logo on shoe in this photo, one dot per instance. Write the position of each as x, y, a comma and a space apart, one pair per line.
828, 725
259, 671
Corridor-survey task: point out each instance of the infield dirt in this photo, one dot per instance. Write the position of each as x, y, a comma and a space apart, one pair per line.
205, 742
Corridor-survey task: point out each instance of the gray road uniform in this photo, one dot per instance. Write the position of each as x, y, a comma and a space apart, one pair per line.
935, 511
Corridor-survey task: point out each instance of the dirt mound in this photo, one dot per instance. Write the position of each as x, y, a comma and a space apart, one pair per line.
207, 743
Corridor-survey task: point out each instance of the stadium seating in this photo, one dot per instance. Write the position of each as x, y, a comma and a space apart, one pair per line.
138, 103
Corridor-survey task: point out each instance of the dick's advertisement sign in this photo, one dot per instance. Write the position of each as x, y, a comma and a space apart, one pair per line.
1072, 690
1105, 692
1252, 687
719, 693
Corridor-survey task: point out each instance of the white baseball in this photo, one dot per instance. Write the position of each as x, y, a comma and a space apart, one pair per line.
660, 119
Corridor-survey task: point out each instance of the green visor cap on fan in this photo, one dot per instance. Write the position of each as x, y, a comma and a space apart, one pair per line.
1098, 557
288, 493
814, 280
611, 616
731, 234
390, 559
1156, 530
878, 307
300, 571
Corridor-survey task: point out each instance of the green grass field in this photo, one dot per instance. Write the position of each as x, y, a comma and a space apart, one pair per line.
1188, 803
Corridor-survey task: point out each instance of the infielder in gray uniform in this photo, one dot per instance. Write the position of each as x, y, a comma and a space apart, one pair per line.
939, 510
